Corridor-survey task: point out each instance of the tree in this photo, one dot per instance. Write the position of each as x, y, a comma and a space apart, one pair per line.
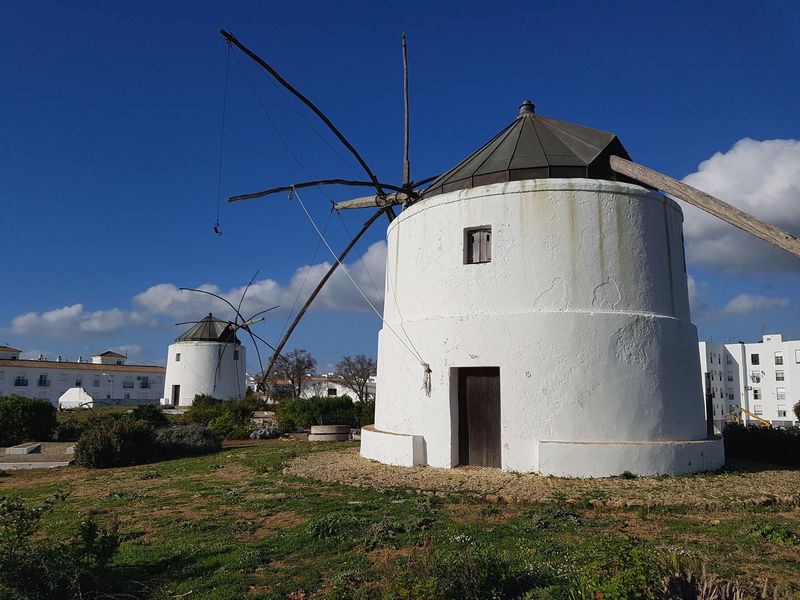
294, 366
355, 373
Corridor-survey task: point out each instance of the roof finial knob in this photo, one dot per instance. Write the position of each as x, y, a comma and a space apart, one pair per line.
526, 108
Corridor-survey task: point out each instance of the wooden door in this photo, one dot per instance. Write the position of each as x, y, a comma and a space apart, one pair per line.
176, 394
479, 416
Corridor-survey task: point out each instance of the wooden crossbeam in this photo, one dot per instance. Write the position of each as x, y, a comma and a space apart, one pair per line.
708, 203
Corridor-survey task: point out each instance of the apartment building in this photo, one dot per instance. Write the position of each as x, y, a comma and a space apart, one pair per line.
761, 377
104, 380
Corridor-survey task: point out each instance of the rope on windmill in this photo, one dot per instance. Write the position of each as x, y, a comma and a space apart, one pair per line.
426, 381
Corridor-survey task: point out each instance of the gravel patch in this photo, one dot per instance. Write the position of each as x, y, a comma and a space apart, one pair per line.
740, 484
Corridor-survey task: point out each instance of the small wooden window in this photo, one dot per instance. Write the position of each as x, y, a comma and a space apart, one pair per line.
477, 245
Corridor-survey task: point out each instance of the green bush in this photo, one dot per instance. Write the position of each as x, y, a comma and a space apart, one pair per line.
364, 412
25, 420
230, 420
33, 567
319, 410
764, 444
151, 413
116, 442
187, 440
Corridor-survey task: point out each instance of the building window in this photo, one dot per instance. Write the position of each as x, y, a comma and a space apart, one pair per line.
728, 359
779, 358
145, 385
779, 376
758, 409
754, 360
781, 394
235, 355
21, 381
43, 381
119, 362
782, 410
731, 397
332, 392
127, 385
797, 356
730, 376
127, 396
756, 393
755, 376
177, 357
477, 245
2, 375
96, 383
78, 383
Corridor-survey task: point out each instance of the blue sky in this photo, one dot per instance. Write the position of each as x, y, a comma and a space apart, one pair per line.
110, 121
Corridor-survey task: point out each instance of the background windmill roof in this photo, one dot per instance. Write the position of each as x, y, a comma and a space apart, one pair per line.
535, 147
210, 329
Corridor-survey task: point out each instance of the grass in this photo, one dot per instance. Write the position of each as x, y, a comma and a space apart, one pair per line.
237, 524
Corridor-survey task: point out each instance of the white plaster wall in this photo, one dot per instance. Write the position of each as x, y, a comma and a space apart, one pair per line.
110, 381
195, 371
584, 308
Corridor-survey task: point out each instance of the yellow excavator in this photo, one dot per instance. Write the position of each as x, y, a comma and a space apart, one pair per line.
744, 411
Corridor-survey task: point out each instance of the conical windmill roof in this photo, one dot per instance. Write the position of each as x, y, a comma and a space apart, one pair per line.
210, 329
535, 147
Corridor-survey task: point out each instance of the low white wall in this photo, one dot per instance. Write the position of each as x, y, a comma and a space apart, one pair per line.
392, 448
606, 459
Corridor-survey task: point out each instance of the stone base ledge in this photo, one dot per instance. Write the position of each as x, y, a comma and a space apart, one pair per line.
608, 459
390, 448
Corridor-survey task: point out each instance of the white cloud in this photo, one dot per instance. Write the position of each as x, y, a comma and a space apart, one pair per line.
165, 299
73, 321
759, 177
131, 350
747, 303
698, 303
338, 294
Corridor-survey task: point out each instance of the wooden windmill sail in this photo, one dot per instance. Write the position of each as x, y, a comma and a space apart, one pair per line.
531, 147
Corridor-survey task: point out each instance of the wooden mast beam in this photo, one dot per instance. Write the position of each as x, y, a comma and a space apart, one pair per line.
708, 203
231, 39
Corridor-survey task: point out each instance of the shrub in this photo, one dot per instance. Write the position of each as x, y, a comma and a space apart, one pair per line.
231, 420
187, 440
364, 412
116, 442
34, 567
151, 413
230, 426
25, 420
765, 444
319, 410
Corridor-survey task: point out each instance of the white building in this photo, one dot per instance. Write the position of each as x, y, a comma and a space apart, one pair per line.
106, 379
550, 301
207, 359
321, 385
762, 378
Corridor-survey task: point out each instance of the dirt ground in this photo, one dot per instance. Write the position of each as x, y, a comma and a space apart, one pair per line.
741, 483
